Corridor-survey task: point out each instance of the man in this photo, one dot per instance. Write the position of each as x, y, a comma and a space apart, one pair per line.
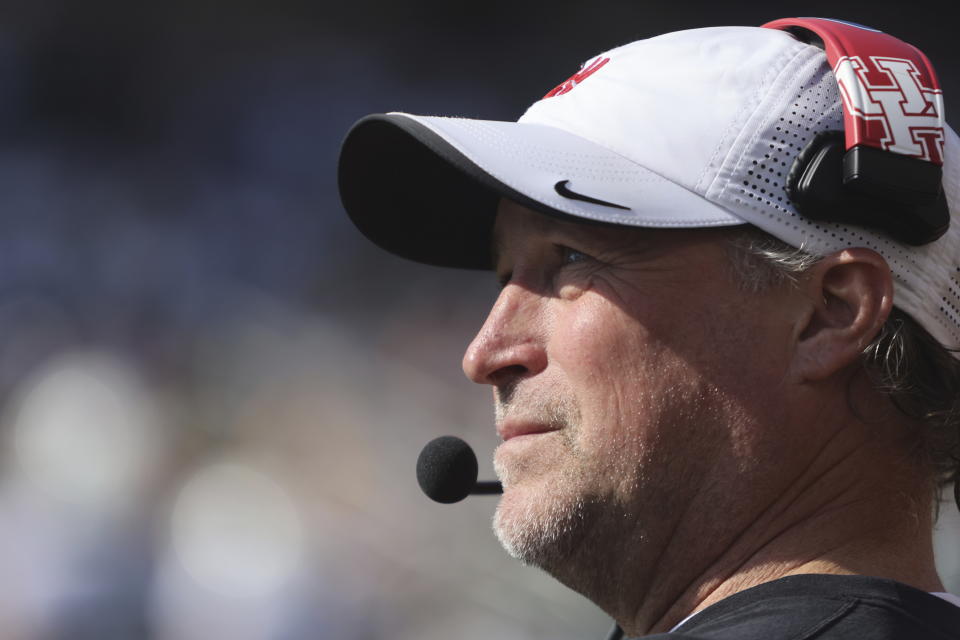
721, 416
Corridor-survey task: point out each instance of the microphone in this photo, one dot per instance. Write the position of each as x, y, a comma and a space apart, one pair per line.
447, 471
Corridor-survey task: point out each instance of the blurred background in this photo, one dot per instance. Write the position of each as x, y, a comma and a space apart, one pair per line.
213, 390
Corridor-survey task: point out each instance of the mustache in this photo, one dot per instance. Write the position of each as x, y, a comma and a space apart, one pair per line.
549, 406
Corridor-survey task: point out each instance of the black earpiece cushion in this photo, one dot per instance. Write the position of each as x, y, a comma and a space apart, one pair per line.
805, 177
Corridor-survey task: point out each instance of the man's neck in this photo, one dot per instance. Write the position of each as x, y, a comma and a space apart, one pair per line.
858, 531
854, 510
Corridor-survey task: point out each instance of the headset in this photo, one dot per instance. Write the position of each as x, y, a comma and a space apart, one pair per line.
884, 171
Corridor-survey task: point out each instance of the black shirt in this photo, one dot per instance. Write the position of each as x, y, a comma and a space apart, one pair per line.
824, 607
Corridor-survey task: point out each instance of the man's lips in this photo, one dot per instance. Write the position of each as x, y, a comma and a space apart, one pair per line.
510, 429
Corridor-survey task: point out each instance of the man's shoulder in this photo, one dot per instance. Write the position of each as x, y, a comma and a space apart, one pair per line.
825, 607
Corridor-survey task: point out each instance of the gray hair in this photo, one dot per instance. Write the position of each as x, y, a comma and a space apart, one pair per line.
919, 375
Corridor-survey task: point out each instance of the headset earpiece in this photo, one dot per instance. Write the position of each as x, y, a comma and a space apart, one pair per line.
818, 188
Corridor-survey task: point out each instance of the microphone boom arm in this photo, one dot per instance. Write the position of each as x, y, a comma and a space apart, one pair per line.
487, 487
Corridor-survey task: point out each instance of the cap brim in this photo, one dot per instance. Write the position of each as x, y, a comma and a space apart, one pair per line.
427, 188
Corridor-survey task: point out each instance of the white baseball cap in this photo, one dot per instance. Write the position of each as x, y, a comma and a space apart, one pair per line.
689, 129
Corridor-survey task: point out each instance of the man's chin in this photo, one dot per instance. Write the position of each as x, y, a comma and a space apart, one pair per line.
537, 526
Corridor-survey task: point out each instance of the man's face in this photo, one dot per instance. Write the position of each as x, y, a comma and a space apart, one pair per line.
630, 373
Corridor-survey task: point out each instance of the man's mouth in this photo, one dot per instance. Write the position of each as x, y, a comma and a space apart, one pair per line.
515, 429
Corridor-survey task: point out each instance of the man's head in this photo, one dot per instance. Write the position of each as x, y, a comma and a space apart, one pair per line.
674, 389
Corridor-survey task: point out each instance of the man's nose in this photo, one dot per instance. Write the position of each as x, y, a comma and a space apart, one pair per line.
510, 344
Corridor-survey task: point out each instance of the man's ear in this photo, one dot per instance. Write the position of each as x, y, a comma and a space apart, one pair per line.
850, 293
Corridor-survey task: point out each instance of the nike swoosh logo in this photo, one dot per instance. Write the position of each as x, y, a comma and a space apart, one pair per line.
563, 190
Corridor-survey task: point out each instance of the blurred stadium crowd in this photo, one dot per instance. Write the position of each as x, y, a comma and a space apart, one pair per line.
213, 390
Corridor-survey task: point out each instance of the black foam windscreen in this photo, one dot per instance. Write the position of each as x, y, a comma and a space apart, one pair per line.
447, 469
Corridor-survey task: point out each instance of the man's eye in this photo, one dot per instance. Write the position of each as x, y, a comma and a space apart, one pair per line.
572, 256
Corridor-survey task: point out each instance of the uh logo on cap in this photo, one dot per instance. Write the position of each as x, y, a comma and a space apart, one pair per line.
898, 110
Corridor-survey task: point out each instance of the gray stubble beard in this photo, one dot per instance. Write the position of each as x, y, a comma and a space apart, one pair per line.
548, 529
551, 530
